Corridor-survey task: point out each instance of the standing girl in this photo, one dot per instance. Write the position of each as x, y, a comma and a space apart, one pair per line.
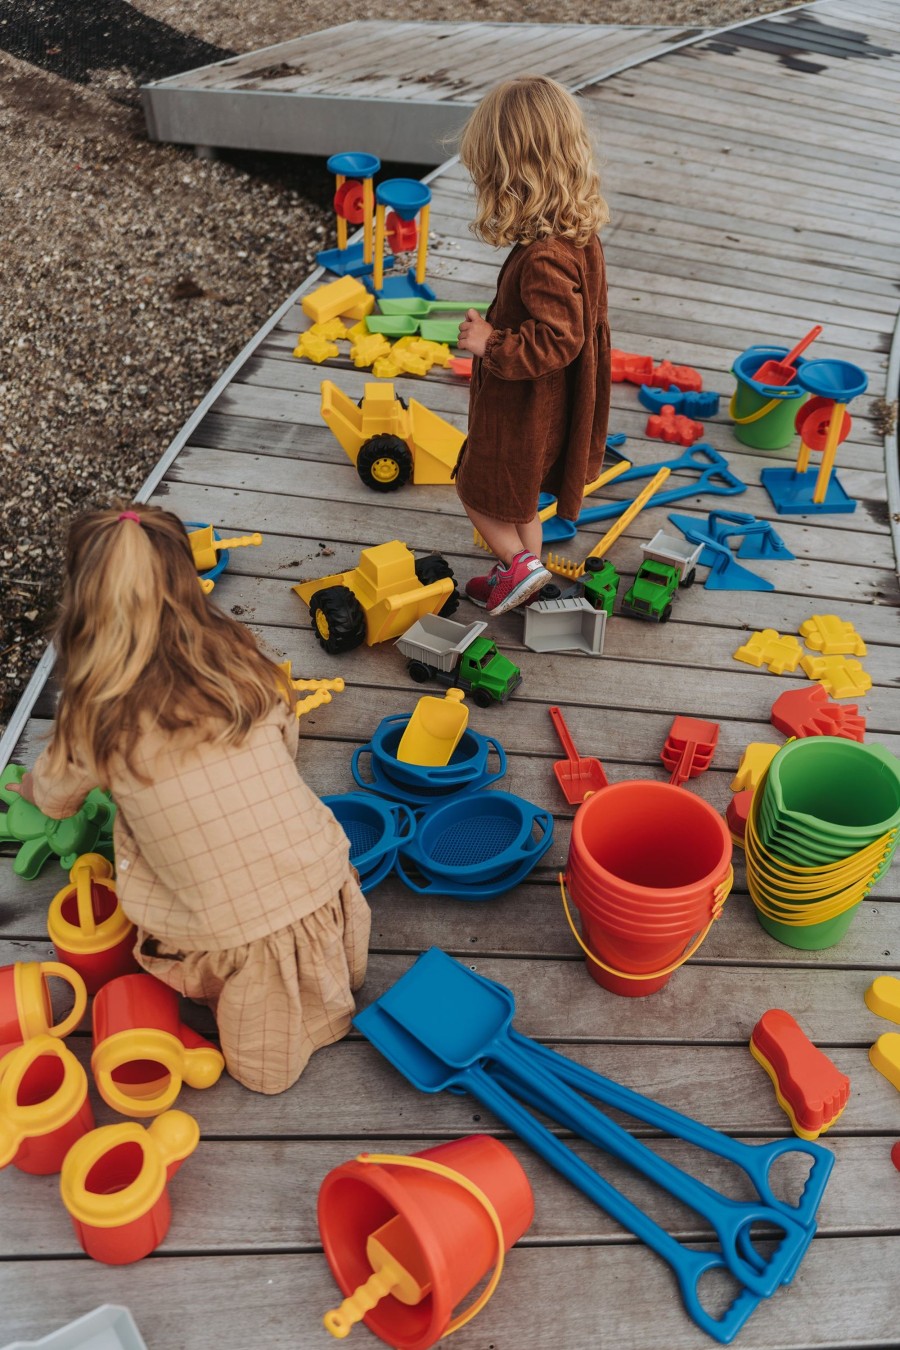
539, 400
237, 876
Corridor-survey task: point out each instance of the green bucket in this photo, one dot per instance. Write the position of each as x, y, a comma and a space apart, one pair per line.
812, 938
763, 414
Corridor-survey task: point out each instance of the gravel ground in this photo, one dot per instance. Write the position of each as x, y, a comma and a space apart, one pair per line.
131, 272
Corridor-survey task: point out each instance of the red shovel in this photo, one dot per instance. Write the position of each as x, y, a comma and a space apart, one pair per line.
783, 372
689, 748
577, 777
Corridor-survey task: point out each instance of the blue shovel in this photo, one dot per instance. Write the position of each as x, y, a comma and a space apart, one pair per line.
462, 1021
714, 477
429, 1073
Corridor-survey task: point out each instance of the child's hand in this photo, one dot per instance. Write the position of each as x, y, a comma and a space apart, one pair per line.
474, 332
25, 788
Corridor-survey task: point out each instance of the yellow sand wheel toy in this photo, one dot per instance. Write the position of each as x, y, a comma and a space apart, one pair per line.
212, 552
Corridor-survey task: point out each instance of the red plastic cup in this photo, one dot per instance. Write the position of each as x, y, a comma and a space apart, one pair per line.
143, 1051
44, 1106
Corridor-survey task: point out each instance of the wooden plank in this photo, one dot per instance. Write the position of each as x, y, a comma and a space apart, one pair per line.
759, 80
720, 1084
350, 525
731, 92
235, 1300
231, 1301
841, 563
269, 1204
616, 111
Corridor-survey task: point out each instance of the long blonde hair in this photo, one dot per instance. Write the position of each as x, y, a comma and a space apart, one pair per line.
528, 151
137, 639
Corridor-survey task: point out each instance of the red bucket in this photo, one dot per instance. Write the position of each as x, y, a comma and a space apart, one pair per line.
454, 1238
649, 868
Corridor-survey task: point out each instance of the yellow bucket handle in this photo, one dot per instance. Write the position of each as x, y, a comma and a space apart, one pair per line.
721, 894
438, 1169
754, 416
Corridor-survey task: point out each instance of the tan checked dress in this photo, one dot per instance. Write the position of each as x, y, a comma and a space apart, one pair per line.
239, 880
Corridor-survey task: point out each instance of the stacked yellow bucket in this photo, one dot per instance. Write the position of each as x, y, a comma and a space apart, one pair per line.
822, 829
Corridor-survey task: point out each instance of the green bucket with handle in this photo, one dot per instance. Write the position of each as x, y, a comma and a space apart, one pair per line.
763, 414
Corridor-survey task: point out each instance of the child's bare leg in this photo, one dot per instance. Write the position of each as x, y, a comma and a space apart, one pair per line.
501, 537
531, 535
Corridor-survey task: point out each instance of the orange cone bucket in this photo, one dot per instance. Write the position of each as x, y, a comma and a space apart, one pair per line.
649, 869
450, 1235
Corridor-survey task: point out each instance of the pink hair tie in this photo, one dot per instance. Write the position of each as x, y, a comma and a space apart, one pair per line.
130, 515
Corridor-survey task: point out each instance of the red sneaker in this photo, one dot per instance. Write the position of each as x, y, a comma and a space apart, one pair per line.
514, 584
479, 588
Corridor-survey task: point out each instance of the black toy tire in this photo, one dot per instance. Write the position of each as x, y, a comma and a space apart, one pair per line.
666, 614
435, 568
418, 671
342, 616
481, 698
594, 564
384, 450
549, 592
689, 578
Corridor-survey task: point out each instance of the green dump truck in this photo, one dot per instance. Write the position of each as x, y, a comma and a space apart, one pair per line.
457, 655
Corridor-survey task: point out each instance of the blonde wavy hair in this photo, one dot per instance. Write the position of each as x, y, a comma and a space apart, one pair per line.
137, 639
528, 151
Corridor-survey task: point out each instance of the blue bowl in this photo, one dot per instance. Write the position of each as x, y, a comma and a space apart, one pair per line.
375, 829
478, 837
467, 763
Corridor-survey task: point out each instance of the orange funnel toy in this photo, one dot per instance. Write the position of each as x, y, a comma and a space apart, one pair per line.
407, 1238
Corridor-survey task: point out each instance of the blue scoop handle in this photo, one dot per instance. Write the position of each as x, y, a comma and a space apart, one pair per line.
729, 1219
689, 1265
714, 476
754, 1159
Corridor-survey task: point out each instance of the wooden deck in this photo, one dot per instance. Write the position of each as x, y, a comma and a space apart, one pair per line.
753, 179
400, 89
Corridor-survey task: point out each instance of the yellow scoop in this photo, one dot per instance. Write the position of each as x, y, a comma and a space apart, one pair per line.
434, 730
205, 546
399, 1269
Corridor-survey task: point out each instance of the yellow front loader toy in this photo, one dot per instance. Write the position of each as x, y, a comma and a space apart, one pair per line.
389, 441
384, 595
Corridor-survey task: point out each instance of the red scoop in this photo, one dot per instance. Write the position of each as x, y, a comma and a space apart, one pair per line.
783, 372
577, 777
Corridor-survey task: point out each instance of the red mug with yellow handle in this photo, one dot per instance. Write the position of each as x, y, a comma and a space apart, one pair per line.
25, 1007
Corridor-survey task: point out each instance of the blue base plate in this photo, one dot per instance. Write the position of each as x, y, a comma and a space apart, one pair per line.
792, 493
403, 286
348, 262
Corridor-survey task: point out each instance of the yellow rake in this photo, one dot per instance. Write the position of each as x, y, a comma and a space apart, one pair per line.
564, 567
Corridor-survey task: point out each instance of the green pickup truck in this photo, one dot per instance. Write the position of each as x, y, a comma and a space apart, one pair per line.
651, 593
457, 655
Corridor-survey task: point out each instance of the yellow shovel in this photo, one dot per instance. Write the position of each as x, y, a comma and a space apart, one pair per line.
434, 730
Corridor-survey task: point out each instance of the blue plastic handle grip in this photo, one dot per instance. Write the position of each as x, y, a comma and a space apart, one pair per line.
729, 1219
754, 1159
689, 1266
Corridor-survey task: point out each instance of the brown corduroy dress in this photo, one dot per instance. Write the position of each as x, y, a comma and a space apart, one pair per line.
539, 398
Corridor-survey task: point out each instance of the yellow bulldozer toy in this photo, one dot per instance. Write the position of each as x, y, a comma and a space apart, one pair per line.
389, 441
380, 599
